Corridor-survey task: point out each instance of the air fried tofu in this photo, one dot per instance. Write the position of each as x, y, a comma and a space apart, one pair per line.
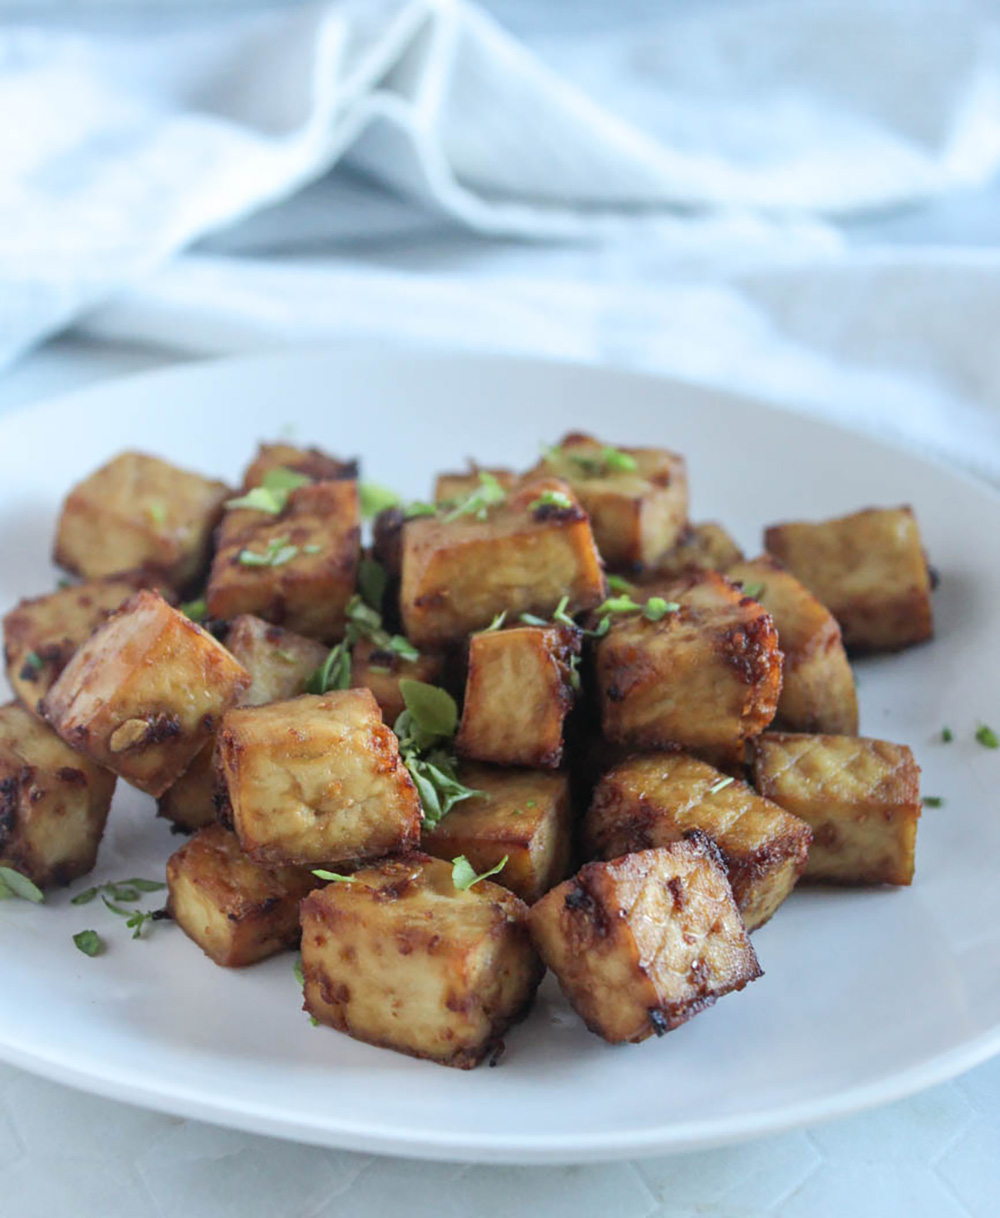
311, 463
523, 815
236, 910
401, 958
658, 799
450, 488
817, 692
316, 780
524, 555
637, 498
641, 944
145, 693
139, 511
518, 692
701, 547
860, 797
279, 663
296, 568
707, 676
41, 634
870, 571
53, 802
381, 671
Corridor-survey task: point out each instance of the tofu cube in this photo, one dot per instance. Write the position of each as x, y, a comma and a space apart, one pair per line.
145, 693
701, 547
450, 488
638, 514
279, 663
523, 814
309, 462
41, 634
236, 910
296, 568
860, 797
518, 692
139, 511
642, 943
316, 780
870, 571
381, 672
459, 572
53, 802
401, 958
817, 692
660, 798
707, 676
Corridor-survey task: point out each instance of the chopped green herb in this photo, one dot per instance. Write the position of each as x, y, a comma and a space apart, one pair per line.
333, 876
560, 614
33, 665
14, 884
432, 709
656, 608
333, 673
618, 583
575, 683
753, 590
278, 552
416, 508
531, 803
157, 511
89, 942
119, 890
497, 622
64, 583
617, 461
933, 801
478, 502
618, 604
593, 464
551, 499
425, 730
297, 970
531, 619
987, 737
946, 735
311, 549
721, 785
373, 579
284, 480
374, 499
260, 499
195, 610
463, 874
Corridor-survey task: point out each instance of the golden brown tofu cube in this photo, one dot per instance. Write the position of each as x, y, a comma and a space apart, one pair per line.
518, 692
459, 572
701, 547
53, 802
309, 462
525, 815
450, 488
41, 634
296, 568
817, 692
707, 676
870, 571
660, 798
860, 797
236, 910
279, 663
139, 511
637, 498
401, 958
316, 780
381, 672
145, 693
642, 943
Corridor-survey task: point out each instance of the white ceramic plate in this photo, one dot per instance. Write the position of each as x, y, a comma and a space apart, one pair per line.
867, 995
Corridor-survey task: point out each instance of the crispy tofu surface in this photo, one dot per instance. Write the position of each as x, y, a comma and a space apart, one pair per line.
53, 802
399, 957
309, 462
707, 676
642, 943
525, 556
236, 910
41, 634
316, 780
139, 511
868, 569
659, 798
861, 798
518, 692
145, 693
381, 672
523, 815
637, 514
817, 692
701, 547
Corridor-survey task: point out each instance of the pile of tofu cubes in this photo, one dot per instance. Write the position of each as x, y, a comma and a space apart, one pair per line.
655, 760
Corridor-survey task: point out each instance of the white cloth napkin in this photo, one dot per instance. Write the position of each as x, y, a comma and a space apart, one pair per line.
119, 148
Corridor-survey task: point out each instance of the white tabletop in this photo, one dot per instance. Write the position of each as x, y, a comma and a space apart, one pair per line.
69, 1154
